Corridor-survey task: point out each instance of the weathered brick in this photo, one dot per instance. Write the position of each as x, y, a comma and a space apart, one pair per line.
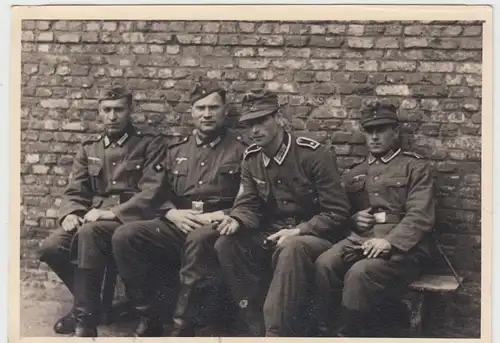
55, 103
246, 27
272, 40
472, 31
289, 64
400, 90
356, 30
316, 64
469, 44
398, 66
438, 67
361, 65
267, 52
469, 68
248, 52
253, 64
326, 42
416, 42
68, 37
387, 43
473, 80
360, 43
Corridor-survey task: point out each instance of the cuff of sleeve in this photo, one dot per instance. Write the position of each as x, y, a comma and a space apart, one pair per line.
396, 244
304, 228
242, 225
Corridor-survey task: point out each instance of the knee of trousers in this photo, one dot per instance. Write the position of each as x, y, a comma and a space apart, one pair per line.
201, 236
326, 267
123, 236
226, 247
52, 250
292, 249
359, 285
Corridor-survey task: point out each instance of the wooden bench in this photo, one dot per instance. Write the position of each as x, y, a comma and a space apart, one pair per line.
416, 297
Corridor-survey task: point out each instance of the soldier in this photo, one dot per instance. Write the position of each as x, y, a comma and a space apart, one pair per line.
203, 172
115, 180
392, 197
290, 207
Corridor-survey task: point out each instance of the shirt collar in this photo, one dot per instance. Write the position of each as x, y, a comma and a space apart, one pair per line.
282, 151
385, 159
212, 144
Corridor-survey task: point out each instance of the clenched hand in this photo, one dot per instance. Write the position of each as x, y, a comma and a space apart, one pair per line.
364, 219
71, 222
95, 214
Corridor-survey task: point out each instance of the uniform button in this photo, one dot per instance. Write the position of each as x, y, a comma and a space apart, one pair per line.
157, 229
200, 182
279, 182
202, 164
377, 194
176, 172
137, 167
114, 182
113, 145
375, 178
114, 163
285, 202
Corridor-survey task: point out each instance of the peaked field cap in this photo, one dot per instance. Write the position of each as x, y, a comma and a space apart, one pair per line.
258, 104
379, 114
205, 87
116, 93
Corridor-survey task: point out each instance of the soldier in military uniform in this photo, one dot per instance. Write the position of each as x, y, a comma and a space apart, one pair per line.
393, 208
290, 208
115, 180
202, 177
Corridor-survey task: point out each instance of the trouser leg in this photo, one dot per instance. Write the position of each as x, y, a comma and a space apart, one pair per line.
54, 251
93, 255
290, 290
199, 279
244, 263
147, 255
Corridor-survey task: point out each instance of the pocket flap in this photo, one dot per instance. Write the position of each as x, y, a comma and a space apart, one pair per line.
355, 186
229, 169
398, 181
134, 164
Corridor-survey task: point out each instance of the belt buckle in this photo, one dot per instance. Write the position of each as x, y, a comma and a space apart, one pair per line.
197, 206
380, 217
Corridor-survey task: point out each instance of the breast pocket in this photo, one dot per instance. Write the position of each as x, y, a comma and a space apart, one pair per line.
396, 189
262, 187
228, 176
95, 174
307, 195
133, 172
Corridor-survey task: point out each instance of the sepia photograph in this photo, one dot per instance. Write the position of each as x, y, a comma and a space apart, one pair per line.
235, 171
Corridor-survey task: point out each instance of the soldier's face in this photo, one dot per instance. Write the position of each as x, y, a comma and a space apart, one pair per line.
209, 113
115, 114
263, 130
381, 139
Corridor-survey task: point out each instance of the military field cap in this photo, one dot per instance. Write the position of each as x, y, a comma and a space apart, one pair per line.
116, 93
257, 104
205, 87
379, 114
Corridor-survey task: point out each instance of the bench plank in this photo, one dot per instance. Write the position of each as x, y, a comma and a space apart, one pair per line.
435, 283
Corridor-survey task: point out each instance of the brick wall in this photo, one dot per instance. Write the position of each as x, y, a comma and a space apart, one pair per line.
323, 71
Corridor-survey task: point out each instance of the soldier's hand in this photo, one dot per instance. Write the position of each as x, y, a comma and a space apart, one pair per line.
364, 219
186, 220
95, 214
71, 222
280, 236
228, 226
372, 248
212, 217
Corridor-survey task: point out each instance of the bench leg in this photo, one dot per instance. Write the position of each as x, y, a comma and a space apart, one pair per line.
415, 303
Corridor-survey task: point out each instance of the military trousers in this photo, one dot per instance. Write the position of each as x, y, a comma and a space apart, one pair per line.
87, 247
272, 283
154, 253
361, 284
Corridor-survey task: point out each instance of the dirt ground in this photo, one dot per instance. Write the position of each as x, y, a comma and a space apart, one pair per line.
40, 309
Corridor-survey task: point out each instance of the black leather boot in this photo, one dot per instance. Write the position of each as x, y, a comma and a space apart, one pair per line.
150, 324
87, 291
185, 312
66, 324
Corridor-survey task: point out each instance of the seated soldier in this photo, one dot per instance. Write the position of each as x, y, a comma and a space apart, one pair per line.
202, 177
391, 194
115, 180
290, 208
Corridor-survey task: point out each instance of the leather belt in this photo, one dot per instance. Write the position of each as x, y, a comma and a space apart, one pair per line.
204, 205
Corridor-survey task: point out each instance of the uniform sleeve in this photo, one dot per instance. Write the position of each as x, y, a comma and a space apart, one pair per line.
420, 209
167, 194
77, 197
143, 205
332, 220
246, 209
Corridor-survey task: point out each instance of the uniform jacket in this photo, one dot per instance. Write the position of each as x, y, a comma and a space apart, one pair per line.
203, 172
299, 187
123, 175
401, 185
